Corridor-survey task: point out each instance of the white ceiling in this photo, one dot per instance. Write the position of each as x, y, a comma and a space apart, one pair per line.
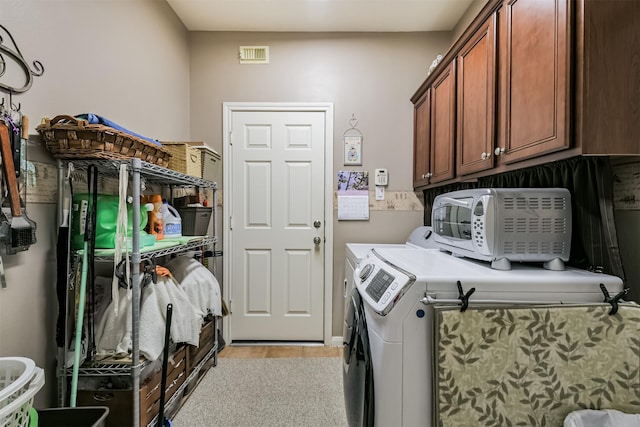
320, 15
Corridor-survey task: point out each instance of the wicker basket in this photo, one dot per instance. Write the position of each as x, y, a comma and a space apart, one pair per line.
69, 138
185, 158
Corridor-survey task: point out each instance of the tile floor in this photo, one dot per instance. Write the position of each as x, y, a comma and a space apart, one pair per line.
258, 352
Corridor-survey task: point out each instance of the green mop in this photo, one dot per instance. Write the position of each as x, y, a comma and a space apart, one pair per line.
78, 343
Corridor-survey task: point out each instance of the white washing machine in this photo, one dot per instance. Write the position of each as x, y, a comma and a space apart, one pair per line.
421, 237
389, 335
356, 367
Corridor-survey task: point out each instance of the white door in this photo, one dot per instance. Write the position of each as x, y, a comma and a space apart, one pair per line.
277, 225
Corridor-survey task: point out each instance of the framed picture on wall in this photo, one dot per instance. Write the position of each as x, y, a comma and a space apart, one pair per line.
353, 150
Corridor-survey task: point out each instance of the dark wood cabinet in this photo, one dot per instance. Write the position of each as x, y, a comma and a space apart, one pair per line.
476, 76
607, 77
530, 82
434, 130
534, 78
422, 140
443, 114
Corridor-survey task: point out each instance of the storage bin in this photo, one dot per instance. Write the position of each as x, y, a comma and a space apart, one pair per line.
210, 163
88, 416
195, 220
185, 158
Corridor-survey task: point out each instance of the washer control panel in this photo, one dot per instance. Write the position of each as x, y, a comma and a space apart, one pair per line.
380, 283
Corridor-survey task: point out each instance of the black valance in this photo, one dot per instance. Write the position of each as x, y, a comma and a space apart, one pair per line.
594, 242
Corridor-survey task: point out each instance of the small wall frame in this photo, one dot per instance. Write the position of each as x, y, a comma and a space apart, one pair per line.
352, 142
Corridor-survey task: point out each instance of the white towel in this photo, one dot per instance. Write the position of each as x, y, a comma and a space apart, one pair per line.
113, 335
200, 285
602, 418
186, 319
121, 237
152, 324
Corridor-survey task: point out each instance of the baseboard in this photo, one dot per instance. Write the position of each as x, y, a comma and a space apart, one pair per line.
336, 341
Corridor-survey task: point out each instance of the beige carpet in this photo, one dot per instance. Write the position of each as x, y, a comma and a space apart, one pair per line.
267, 392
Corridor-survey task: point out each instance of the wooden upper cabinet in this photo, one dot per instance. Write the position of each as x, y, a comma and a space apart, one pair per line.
528, 82
476, 76
422, 140
443, 115
534, 78
607, 77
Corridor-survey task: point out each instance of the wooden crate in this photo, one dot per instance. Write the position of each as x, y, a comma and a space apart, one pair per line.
185, 158
207, 338
120, 402
150, 390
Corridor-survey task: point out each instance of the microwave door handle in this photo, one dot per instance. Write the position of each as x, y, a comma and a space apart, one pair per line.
455, 202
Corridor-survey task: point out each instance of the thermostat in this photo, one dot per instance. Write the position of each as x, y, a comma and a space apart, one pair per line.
381, 177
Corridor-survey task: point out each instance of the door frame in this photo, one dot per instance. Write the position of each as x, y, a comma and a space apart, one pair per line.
228, 108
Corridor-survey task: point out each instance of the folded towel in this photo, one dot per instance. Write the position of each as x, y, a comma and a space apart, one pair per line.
186, 319
99, 120
200, 285
152, 324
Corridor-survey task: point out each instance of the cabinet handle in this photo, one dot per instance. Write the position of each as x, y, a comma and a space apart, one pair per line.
485, 156
428, 175
498, 151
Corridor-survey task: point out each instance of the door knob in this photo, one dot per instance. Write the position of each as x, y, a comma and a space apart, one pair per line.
317, 224
317, 240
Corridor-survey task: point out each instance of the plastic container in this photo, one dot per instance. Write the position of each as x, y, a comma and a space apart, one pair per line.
106, 220
146, 239
210, 163
171, 221
195, 220
154, 223
20, 380
84, 416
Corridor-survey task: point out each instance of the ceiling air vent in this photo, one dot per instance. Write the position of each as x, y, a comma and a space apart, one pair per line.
254, 54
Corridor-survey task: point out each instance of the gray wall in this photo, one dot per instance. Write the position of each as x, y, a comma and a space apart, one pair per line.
471, 12
128, 61
372, 76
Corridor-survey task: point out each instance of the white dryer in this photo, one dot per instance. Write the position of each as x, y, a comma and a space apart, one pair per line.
390, 337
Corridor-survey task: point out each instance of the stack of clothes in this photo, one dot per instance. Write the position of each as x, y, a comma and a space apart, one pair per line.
184, 282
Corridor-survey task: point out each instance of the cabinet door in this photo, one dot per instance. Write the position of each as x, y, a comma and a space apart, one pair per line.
421, 139
443, 114
476, 75
534, 78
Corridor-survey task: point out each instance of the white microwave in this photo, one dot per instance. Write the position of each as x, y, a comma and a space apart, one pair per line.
501, 225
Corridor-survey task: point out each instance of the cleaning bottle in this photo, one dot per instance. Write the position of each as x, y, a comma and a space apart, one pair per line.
171, 221
155, 225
